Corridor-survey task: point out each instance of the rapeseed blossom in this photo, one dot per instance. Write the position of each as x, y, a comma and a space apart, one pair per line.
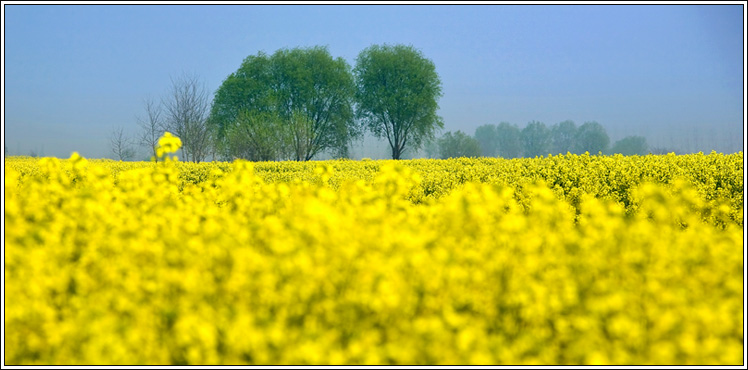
168, 144
570, 259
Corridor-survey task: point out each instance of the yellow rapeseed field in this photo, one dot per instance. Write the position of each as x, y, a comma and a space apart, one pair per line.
568, 259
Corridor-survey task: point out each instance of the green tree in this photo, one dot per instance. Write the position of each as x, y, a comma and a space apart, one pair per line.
486, 136
249, 88
315, 98
431, 148
631, 145
396, 95
536, 139
248, 92
258, 136
457, 145
563, 135
304, 90
508, 140
591, 137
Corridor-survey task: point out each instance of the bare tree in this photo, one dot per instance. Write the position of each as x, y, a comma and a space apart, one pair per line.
121, 145
186, 109
151, 127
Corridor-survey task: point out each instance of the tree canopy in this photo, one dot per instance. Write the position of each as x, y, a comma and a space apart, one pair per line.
396, 95
536, 139
457, 145
631, 145
488, 140
509, 143
591, 137
303, 96
563, 136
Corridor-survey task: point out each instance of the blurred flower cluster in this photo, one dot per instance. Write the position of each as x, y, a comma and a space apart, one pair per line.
546, 261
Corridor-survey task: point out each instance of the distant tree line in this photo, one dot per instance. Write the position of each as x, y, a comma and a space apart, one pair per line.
296, 104
536, 139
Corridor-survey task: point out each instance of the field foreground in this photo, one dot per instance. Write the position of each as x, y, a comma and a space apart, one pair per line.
571, 259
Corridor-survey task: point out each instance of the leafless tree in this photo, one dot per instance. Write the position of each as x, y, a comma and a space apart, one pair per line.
151, 127
186, 109
121, 144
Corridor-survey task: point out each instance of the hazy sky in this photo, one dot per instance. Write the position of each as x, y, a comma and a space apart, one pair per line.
673, 73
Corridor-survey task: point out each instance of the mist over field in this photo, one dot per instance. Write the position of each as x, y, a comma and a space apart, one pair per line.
673, 74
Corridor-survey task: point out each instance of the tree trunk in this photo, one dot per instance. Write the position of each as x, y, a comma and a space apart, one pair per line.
396, 152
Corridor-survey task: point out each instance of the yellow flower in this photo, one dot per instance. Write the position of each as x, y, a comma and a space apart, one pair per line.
571, 259
168, 143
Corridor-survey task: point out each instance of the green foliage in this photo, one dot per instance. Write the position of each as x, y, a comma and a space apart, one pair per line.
536, 139
307, 91
563, 137
315, 97
488, 140
396, 95
631, 145
457, 145
249, 88
431, 148
509, 143
258, 136
591, 137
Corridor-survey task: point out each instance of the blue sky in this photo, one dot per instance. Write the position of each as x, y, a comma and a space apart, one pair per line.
671, 73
